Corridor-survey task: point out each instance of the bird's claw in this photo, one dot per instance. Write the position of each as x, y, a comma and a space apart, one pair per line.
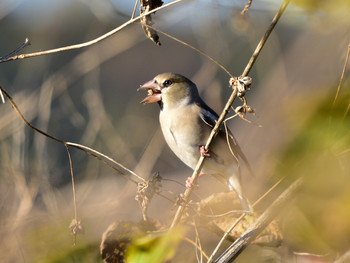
204, 152
189, 183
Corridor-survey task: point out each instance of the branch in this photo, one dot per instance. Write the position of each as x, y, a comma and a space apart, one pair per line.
89, 43
259, 225
228, 231
226, 109
83, 148
26, 43
342, 75
246, 7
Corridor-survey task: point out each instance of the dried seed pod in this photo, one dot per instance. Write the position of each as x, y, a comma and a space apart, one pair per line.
145, 192
249, 109
146, 21
242, 84
247, 81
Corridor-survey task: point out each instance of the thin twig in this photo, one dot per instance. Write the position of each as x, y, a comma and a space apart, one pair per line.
73, 183
198, 241
265, 37
91, 42
103, 161
26, 43
14, 106
2, 97
77, 145
246, 7
259, 225
195, 49
228, 231
342, 75
195, 245
226, 109
134, 11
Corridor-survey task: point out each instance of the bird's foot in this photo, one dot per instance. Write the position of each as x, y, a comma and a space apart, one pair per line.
204, 152
189, 182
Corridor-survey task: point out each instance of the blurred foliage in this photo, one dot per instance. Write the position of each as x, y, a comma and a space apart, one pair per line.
313, 5
80, 253
155, 248
94, 102
320, 221
52, 243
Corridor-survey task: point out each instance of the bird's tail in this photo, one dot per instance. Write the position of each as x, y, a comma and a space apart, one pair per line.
235, 185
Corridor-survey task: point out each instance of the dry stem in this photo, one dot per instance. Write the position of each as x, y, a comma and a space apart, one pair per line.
226, 109
342, 75
259, 225
89, 43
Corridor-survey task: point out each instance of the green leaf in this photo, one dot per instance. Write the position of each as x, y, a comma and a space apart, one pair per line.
155, 248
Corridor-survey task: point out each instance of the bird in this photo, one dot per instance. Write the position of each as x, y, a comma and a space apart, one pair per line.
186, 122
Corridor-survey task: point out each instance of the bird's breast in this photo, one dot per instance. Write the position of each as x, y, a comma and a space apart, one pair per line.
183, 133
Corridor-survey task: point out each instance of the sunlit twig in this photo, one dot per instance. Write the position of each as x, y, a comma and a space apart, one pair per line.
226, 109
228, 231
342, 75
91, 42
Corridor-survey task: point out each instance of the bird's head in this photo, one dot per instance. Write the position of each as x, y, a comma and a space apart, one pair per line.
170, 89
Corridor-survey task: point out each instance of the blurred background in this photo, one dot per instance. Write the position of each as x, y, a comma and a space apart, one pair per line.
89, 96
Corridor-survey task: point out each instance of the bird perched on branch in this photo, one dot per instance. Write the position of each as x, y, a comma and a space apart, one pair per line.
186, 122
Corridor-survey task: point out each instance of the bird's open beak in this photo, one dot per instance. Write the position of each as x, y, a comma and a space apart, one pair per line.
154, 91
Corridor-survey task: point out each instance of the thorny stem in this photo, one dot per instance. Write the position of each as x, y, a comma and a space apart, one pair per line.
226, 109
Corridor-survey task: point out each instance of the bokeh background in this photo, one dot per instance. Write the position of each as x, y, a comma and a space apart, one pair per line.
89, 96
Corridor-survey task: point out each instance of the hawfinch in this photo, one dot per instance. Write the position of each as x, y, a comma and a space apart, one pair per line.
186, 122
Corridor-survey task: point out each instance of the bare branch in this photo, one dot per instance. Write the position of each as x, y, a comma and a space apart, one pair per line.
134, 11
246, 7
265, 37
226, 109
83, 147
91, 42
195, 49
228, 231
342, 74
78, 146
26, 43
259, 225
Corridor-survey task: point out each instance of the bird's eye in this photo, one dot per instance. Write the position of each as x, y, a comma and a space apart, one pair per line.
167, 83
